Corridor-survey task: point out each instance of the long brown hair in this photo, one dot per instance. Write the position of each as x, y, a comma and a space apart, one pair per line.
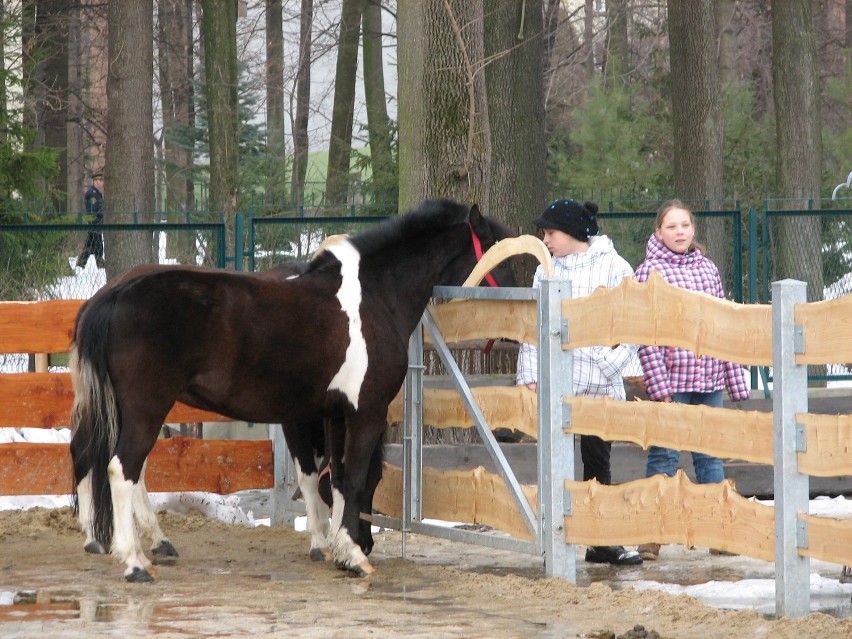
675, 203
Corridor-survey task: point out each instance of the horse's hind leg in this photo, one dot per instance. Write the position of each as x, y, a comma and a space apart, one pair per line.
146, 519
306, 444
84, 512
125, 539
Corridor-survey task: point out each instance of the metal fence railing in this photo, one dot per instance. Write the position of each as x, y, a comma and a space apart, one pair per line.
809, 240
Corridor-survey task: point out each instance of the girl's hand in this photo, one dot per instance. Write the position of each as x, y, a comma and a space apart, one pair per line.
533, 387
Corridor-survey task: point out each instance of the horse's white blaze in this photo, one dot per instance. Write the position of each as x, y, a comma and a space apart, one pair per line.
84, 507
125, 540
350, 377
345, 550
315, 508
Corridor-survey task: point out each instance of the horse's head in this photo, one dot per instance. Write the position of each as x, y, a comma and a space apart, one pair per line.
485, 232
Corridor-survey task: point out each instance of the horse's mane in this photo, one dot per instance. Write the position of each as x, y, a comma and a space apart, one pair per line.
429, 217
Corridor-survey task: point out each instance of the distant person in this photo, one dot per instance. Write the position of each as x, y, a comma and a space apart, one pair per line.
94, 199
589, 261
675, 374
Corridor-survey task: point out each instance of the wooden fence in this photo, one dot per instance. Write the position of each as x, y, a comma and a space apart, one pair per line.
658, 509
43, 400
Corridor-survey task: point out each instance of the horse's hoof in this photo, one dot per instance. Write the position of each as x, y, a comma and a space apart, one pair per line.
95, 548
139, 576
364, 569
320, 554
165, 553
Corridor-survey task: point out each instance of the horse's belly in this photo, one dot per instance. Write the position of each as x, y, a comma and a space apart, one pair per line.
259, 403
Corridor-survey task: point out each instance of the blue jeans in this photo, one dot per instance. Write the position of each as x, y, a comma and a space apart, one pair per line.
708, 469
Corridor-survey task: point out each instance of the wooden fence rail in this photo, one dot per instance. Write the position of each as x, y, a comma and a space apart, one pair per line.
43, 400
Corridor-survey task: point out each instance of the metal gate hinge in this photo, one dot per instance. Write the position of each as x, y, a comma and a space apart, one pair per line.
802, 533
798, 339
801, 438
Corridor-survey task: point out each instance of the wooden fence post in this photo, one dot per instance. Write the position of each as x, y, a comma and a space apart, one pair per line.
790, 396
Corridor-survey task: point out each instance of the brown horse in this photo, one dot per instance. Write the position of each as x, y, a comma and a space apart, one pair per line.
329, 343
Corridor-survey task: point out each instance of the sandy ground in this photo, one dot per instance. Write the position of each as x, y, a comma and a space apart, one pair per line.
234, 581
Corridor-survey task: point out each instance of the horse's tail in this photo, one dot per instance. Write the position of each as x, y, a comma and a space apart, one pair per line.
95, 419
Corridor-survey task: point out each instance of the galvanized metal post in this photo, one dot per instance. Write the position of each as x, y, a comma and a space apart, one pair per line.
790, 396
555, 448
412, 436
284, 481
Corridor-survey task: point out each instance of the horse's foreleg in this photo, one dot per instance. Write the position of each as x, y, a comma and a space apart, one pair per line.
85, 514
126, 546
362, 437
146, 519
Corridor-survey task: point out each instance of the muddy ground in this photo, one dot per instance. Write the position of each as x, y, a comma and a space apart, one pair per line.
234, 581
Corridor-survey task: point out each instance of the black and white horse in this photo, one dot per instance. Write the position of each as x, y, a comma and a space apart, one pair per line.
328, 343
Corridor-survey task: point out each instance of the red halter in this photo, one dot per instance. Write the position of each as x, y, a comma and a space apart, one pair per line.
477, 249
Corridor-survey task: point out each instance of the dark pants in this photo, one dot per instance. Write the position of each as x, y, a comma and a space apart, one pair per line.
595, 455
94, 246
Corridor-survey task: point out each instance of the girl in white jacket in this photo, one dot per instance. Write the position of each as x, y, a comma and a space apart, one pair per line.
588, 261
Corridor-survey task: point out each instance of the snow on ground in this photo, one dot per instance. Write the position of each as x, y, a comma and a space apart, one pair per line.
757, 594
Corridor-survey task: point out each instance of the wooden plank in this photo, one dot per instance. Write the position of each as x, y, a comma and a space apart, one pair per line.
37, 327
829, 445
829, 539
655, 312
36, 400
827, 331
721, 432
471, 496
670, 510
175, 464
464, 320
657, 509
44, 400
512, 407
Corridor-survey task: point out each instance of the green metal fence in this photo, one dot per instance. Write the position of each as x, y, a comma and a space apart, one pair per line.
38, 250
273, 240
811, 241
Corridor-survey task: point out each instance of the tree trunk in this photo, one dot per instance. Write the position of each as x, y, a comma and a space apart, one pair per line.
727, 43
275, 133
518, 180
340, 142
219, 27
589, 39
378, 124
45, 31
444, 139
697, 123
617, 54
175, 65
74, 133
4, 112
129, 172
303, 103
797, 124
